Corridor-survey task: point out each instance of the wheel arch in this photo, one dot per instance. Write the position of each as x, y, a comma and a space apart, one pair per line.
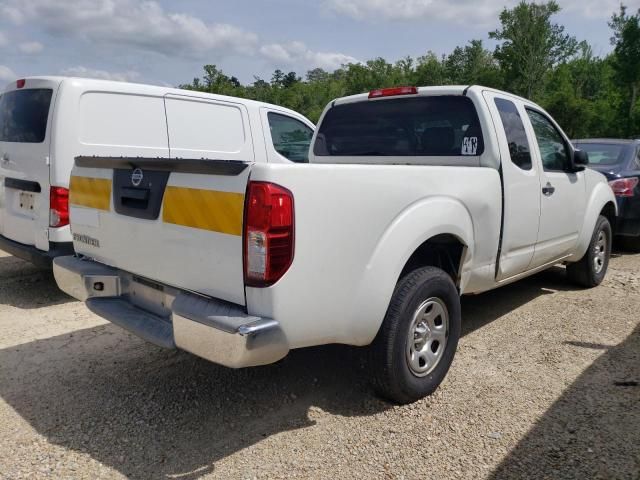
436, 231
445, 251
601, 202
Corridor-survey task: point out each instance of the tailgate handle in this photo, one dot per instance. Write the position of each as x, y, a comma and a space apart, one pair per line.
134, 197
24, 185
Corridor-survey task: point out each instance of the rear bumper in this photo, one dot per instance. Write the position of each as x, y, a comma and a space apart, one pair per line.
212, 329
34, 255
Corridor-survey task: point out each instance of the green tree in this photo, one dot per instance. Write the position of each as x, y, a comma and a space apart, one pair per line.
531, 45
473, 64
626, 57
430, 70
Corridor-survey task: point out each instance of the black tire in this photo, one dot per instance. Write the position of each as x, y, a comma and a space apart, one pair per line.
391, 375
584, 272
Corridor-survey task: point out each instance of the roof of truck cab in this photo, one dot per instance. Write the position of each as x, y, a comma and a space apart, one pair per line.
433, 90
142, 88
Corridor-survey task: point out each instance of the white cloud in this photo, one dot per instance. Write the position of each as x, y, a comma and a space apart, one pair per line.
30, 47
597, 9
85, 72
10, 13
143, 25
460, 11
297, 53
6, 74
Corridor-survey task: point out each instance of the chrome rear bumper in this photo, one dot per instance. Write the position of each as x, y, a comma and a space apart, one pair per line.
218, 331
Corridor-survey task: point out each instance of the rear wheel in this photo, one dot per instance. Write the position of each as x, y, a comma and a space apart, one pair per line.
590, 270
418, 338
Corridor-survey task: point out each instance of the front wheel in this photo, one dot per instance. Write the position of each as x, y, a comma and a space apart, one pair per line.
590, 270
418, 338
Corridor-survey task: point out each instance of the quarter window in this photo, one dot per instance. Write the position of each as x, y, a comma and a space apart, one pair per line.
291, 138
553, 148
516, 136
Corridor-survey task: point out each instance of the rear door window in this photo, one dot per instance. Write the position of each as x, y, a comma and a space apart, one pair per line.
24, 115
291, 138
519, 150
417, 126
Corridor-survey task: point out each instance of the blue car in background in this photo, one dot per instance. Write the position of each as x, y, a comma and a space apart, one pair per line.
619, 161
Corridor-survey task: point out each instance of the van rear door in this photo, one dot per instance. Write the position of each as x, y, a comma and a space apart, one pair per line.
26, 110
174, 216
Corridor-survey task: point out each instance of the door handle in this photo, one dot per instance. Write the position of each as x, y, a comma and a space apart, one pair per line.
548, 189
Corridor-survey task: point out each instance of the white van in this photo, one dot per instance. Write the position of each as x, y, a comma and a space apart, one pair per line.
46, 122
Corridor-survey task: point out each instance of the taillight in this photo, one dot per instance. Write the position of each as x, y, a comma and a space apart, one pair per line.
58, 207
21, 83
392, 92
623, 187
268, 233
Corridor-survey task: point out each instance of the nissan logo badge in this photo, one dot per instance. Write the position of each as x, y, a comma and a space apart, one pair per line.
136, 177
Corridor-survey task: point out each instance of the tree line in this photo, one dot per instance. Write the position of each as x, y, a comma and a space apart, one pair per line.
589, 96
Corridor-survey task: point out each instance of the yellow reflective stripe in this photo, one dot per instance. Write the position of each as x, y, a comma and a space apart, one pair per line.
90, 192
204, 209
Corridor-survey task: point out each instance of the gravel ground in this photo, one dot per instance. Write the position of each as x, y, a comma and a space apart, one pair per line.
544, 385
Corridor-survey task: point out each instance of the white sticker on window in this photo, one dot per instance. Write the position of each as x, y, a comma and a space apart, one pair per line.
469, 145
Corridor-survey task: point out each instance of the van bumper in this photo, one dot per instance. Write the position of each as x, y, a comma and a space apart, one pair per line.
38, 257
213, 329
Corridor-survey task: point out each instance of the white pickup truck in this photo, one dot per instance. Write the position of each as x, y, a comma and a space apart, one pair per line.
411, 198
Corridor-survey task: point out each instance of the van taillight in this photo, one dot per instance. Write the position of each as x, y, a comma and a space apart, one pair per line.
58, 207
624, 187
268, 233
21, 83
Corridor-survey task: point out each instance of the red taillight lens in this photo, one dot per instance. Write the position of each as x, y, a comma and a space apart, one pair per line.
58, 207
623, 187
20, 83
392, 92
268, 233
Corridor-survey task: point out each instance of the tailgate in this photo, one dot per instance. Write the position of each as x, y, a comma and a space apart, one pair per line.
177, 222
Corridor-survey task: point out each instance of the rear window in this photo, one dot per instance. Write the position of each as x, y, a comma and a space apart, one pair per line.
417, 126
606, 153
23, 115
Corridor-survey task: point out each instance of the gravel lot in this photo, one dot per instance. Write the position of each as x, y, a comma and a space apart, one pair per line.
544, 385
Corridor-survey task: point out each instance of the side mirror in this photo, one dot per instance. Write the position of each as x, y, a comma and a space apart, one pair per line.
580, 160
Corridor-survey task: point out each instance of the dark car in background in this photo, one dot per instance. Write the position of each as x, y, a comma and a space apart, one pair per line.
619, 161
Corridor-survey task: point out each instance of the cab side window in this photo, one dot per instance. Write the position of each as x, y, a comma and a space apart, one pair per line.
291, 138
516, 136
553, 148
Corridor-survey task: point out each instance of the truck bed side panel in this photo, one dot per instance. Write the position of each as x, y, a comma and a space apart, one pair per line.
348, 250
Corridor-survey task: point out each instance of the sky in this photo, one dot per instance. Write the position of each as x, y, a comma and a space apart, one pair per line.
167, 43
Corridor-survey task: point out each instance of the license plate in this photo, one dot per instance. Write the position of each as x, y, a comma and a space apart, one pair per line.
26, 201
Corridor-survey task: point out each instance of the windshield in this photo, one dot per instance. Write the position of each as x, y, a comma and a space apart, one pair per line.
23, 115
417, 126
607, 154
